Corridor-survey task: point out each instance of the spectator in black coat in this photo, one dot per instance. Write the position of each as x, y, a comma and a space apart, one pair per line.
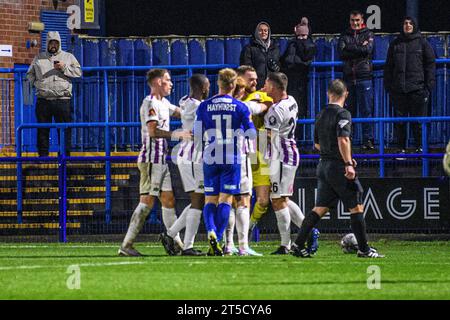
355, 49
295, 63
262, 53
409, 77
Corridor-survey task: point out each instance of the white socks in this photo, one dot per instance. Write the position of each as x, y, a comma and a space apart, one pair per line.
242, 226
179, 224
192, 223
284, 222
229, 231
169, 217
137, 221
297, 216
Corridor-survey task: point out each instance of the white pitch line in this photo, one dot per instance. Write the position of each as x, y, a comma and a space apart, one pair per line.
78, 264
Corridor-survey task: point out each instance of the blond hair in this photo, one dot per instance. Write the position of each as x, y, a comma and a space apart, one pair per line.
227, 79
240, 84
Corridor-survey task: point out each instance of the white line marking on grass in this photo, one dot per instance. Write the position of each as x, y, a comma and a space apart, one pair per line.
80, 264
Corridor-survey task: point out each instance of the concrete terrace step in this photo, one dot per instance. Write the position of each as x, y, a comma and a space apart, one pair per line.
56, 189
70, 178
70, 225
26, 214
12, 202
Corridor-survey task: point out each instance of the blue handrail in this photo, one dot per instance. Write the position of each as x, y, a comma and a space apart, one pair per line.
317, 64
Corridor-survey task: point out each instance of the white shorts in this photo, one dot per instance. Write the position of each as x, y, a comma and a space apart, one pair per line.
155, 178
282, 177
246, 185
192, 176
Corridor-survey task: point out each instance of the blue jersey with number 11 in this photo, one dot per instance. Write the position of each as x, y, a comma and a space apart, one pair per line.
221, 118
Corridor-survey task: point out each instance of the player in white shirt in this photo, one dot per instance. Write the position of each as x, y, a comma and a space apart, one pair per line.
155, 179
283, 156
191, 171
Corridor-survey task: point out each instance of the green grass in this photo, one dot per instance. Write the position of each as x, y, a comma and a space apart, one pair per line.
411, 270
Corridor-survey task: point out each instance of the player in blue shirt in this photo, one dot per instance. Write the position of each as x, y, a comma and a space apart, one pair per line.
223, 123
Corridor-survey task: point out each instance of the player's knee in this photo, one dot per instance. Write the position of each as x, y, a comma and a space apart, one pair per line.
321, 211
359, 208
263, 201
279, 204
147, 200
167, 200
243, 201
197, 201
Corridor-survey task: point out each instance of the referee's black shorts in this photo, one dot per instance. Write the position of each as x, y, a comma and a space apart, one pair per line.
332, 185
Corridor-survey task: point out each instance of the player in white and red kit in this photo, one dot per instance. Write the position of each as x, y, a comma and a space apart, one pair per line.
155, 179
283, 156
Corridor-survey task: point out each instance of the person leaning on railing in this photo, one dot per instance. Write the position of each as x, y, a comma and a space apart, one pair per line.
409, 77
51, 73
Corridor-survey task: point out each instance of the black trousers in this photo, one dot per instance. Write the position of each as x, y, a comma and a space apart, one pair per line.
46, 110
298, 88
412, 104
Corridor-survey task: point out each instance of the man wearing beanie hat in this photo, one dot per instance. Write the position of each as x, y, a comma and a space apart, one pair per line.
355, 49
296, 59
409, 77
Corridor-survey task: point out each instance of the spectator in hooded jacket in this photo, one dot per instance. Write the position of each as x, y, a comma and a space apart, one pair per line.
51, 73
262, 53
355, 49
409, 77
296, 60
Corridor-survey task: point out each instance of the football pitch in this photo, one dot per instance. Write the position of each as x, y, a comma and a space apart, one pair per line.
411, 270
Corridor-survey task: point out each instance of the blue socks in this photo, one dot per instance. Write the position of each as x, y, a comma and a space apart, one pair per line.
209, 214
216, 218
223, 215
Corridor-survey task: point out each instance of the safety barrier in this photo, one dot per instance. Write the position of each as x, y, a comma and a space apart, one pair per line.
114, 94
62, 159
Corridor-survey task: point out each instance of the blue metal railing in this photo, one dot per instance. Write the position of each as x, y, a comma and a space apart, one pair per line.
63, 159
107, 125
119, 98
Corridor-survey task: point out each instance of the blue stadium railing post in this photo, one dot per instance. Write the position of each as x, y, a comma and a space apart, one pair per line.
62, 186
381, 139
19, 155
19, 175
189, 74
425, 160
107, 149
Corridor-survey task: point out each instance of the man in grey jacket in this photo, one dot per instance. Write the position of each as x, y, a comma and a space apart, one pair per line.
51, 73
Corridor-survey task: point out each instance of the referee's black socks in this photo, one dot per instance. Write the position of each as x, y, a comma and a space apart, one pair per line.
359, 229
311, 219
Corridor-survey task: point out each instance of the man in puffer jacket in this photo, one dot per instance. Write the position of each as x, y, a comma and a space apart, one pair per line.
262, 53
51, 73
409, 77
355, 49
296, 60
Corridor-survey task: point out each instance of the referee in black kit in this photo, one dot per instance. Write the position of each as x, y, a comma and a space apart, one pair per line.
336, 173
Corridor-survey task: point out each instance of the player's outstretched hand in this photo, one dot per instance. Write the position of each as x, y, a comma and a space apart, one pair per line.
350, 173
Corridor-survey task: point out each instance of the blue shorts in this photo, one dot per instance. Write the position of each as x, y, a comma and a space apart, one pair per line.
222, 178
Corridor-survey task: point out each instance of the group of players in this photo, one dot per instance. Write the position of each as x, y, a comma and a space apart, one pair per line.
236, 141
